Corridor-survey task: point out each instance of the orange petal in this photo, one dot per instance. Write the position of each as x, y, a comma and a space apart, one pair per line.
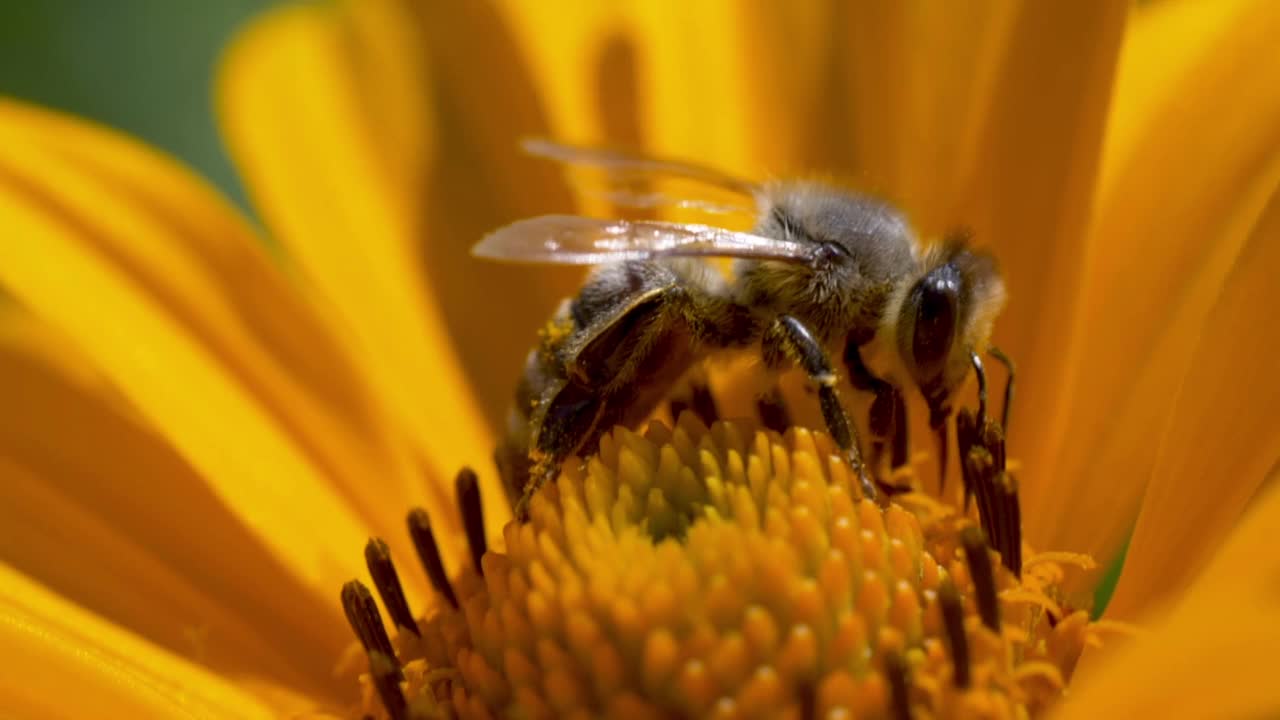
1029, 197
63, 662
98, 262
87, 508
317, 161
1190, 163
919, 82
1223, 439
1213, 655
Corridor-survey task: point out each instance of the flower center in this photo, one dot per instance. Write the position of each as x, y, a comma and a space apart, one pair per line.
730, 571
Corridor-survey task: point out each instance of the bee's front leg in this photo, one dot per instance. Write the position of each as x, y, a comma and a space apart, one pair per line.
888, 416
787, 339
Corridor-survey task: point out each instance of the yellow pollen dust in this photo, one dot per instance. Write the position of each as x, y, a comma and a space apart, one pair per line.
732, 572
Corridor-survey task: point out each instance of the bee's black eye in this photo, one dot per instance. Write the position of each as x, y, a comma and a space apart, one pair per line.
933, 301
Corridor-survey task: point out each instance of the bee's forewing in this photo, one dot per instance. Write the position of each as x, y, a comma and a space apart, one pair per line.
633, 165
576, 240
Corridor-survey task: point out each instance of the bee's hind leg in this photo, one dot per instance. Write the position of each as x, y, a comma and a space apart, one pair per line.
788, 339
888, 417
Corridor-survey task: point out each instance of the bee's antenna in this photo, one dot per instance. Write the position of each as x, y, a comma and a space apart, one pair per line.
982, 387
998, 354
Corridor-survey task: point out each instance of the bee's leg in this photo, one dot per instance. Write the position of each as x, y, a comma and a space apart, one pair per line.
569, 421
772, 408
788, 339
888, 416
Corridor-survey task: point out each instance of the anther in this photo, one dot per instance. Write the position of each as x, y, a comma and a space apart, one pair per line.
944, 450
703, 403
424, 540
895, 670
966, 437
386, 678
953, 624
773, 411
468, 488
984, 580
364, 618
1010, 515
377, 556
981, 469
998, 354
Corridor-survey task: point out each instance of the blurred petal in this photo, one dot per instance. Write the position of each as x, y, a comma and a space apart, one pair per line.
480, 180
87, 508
62, 662
1223, 438
345, 206
1191, 161
919, 83
1213, 655
107, 269
1030, 195
193, 254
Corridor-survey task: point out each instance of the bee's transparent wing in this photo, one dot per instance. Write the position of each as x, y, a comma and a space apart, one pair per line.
576, 240
626, 167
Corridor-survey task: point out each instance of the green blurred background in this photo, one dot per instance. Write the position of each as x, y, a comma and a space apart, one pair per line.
143, 66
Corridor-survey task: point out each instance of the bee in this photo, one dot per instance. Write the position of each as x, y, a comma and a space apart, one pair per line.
825, 272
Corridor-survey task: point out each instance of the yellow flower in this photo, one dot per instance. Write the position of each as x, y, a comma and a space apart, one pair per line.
201, 435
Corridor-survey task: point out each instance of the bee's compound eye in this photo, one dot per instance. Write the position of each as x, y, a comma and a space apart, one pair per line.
933, 303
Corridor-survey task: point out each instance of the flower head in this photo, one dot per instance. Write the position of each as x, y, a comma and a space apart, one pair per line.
242, 421
728, 570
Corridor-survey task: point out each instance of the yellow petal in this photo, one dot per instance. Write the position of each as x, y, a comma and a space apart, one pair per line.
1190, 163
198, 258
96, 507
1029, 198
479, 180
1223, 439
62, 662
1213, 655
316, 162
92, 259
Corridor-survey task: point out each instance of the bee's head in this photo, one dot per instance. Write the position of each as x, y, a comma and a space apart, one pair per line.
945, 315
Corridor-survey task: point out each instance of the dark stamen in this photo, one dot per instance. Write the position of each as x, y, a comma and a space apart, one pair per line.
895, 669
468, 489
981, 374
364, 618
1011, 523
957, 641
940, 434
984, 580
998, 354
377, 556
992, 438
981, 471
387, 678
966, 436
678, 407
429, 553
704, 405
773, 411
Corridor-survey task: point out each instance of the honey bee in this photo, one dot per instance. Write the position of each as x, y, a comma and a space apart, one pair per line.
823, 270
